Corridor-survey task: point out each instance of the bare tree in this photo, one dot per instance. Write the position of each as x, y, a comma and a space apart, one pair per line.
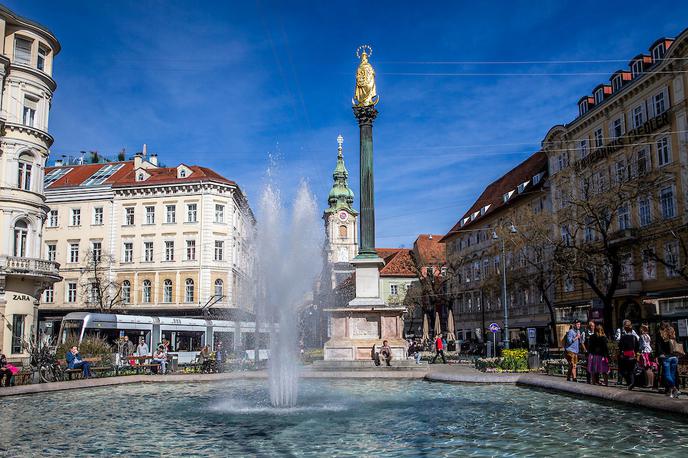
99, 289
674, 256
593, 220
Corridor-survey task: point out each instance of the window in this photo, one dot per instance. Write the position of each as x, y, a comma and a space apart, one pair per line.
191, 213
76, 217
642, 162
189, 290
649, 264
52, 218
565, 235
638, 116
146, 292
219, 290
29, 112
93, 293
22, 51
219, 213
637, 68
170, 213
616, 83
71, 292
129, 216
51, 251
644, 211
182, 173
663, 151
671, 258
73, 252
167, 291
126, 291
599, 96
583, 107
55, 175
589, 230
568, 285
21, 232
583, 149
190, 250
658, 52
598, 137
49, 294
150, 215
666, 200
102, 174
343, 231
617, 128
24, 171
40, 61
219, 250
96, 251
393, 289
128, 252
18, 333
659, 103
620, 170
97, 216
624, 217
148, 251
169, 250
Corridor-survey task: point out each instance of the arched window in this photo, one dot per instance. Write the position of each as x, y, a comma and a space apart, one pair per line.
189, 292
21, 232
343, 231
126, 291
24, 171
219, 288
146, 293
167, 291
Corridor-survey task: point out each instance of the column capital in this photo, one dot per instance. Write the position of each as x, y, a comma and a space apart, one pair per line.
365, 114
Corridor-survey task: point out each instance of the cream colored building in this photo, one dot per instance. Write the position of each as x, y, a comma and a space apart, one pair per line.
27, 50
173, 240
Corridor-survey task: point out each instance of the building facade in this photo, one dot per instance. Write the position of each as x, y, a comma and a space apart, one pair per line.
27, 51
474, 256
146, 239
626, 157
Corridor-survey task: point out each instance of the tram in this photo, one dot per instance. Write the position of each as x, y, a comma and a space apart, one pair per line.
187, 336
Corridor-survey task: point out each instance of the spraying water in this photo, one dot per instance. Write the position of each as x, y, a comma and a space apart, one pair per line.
288, 247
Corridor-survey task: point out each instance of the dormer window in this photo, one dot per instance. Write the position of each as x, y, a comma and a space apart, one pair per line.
183, 171
616, 83
583, 107
484, 209
182, 174
637, 68
522, 186
507, 196
537, 178
658, 52
599, 96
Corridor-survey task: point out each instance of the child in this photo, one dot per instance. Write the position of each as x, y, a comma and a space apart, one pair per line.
645, 347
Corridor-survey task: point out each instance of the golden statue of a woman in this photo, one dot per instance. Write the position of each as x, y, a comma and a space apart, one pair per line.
365, 93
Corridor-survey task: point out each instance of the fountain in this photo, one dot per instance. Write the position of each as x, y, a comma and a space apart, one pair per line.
288, 246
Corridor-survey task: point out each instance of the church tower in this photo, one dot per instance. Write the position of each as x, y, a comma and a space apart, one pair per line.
341, 224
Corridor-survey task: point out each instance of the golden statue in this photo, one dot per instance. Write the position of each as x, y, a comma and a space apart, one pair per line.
365, 94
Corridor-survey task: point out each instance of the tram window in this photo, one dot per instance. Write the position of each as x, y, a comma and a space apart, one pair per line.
249, 342
71, 330
185, 340
227, 339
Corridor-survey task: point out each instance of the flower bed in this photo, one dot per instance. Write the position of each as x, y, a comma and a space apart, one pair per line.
510, 361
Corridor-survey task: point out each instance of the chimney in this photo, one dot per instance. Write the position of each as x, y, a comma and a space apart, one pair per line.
145, 150
153, 159
138, 160
58, 162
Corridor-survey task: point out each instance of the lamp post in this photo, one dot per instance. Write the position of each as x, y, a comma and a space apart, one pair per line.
512, 229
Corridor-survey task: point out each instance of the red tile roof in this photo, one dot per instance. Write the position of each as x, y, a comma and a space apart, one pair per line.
398, 262
493, 194
126, 176
430, 250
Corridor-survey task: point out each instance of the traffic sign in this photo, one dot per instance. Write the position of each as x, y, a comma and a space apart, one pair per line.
494, 327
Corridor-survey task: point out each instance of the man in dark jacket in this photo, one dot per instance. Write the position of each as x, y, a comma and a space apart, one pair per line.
5, 373
629, 347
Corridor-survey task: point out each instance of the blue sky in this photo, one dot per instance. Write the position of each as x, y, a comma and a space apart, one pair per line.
225, 84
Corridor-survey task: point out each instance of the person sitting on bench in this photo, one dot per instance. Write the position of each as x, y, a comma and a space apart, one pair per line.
74, 361
160, 357
386, 353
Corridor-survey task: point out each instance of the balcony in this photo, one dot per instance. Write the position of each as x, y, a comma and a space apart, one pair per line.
12, 265
623, 237
629, 288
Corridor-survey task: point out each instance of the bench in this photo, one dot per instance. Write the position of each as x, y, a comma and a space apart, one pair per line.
20, 378
77, 372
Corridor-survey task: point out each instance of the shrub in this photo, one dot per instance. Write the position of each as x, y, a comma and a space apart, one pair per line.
90, 347
514, 360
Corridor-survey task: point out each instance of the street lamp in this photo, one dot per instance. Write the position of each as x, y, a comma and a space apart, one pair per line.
512, 230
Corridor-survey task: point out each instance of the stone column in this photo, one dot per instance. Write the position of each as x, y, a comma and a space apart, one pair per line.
365, 116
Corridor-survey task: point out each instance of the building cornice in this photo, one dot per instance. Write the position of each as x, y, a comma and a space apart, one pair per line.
50, 83
42, 135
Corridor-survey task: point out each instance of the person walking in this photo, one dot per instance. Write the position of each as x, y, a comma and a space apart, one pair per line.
669, 351
598, 356
629, 348
439, 350
572, 349
620, 332
587, 334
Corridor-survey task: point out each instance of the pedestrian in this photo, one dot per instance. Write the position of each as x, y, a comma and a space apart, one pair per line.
598, 356
645, 346
572, 349
219, 357
128, 347
587, 334
439, 350
375, 355
617, 337
669, 351
5, 372
160, 357
629, 348
74, 361
414, 350
204, 359
386, 353
142, 348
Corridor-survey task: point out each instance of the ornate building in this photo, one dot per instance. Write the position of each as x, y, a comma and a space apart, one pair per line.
147, 239
27, 51
341, 226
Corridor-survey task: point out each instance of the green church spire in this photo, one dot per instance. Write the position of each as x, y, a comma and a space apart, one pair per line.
341, 196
